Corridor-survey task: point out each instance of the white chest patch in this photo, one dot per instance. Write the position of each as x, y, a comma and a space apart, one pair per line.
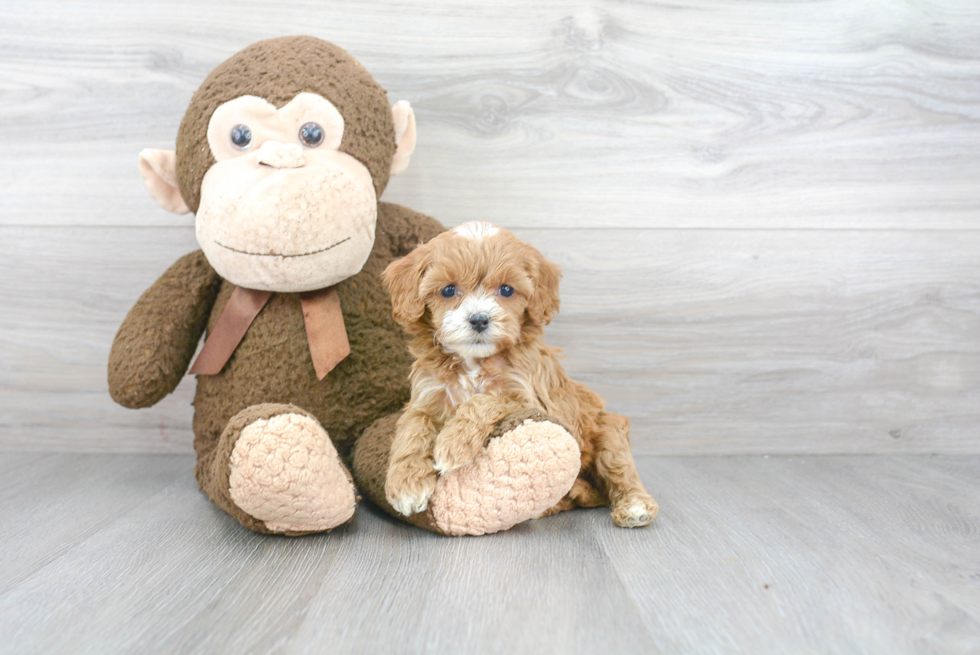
476, 230
470, 382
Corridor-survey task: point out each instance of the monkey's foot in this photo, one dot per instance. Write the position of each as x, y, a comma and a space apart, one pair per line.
284, 472
518, 476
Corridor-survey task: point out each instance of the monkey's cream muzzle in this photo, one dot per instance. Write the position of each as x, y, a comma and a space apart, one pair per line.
277, 216
287, 226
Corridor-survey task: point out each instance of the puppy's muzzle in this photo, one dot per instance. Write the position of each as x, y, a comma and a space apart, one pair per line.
479, 322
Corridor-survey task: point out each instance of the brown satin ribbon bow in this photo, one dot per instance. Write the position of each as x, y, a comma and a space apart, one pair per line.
325, 329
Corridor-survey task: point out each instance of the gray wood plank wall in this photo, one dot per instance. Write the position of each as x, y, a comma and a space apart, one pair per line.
768, 213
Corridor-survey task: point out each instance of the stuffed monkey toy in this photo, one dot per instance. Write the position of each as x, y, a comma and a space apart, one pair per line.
282, 156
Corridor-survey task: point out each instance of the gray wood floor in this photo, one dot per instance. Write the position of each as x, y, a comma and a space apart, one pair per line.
816, 554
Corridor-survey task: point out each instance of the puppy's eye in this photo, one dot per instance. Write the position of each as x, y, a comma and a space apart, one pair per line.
506, 291
448, 291
241, 136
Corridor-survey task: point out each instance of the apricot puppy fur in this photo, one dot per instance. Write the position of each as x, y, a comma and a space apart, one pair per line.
477, 299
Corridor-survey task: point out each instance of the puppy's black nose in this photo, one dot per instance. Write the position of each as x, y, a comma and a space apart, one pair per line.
479, 322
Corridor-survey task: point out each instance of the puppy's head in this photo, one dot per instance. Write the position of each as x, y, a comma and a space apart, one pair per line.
475, 288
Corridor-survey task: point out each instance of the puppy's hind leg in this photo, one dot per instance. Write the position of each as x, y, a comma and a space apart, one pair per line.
632, 505
582, 494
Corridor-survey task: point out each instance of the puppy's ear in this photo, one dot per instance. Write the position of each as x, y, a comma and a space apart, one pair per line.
402, 278
543, 303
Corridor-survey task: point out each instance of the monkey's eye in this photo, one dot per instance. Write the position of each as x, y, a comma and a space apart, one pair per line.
448, 291
311, 135
241, 136
506, 291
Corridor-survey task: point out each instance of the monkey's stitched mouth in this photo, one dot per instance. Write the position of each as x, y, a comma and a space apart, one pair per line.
273, 254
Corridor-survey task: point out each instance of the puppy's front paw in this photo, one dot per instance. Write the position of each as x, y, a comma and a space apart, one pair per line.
458, 444
408, 491
635, 512
409, 503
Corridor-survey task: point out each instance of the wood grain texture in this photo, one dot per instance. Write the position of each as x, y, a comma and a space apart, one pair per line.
841, 113
870, 554
711, 341
51, 504
808, 555
768, 214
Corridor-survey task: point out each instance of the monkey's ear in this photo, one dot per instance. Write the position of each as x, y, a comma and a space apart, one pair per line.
402, 278
404, 118
159, 171
544, 302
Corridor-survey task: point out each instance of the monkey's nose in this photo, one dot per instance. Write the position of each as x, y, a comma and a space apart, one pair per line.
479, 322
281, 155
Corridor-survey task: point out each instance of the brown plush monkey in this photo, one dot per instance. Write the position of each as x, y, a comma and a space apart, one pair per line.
282, 155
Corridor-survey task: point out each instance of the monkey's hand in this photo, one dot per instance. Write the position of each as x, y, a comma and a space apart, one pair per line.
155, 343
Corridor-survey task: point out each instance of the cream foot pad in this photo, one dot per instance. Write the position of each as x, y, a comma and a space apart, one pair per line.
285, 471
517, 477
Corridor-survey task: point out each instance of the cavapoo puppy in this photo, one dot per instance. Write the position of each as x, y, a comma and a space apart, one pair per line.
477, 300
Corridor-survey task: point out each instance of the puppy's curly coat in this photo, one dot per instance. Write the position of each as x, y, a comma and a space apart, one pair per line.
477, 300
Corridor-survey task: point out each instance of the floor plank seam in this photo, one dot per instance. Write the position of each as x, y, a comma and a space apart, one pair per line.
619, 578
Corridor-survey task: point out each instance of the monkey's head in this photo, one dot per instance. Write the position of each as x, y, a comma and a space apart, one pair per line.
282, 156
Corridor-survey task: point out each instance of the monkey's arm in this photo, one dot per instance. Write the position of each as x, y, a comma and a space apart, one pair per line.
155, 343
406, 228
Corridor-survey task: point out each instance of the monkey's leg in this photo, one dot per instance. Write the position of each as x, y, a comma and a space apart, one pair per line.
528, 464
275, 470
